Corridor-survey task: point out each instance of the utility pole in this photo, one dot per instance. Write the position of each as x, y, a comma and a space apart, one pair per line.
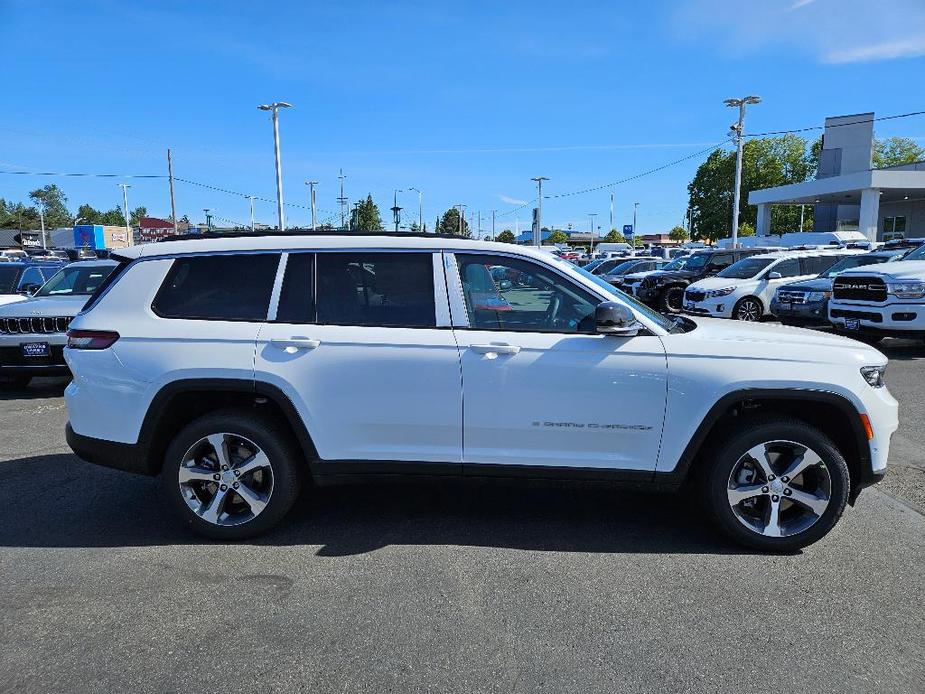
420, 209
611, 212
129, 241
478, 232
494, 236
591, 216
173, 202
739, 134
342, 199
311, 199
251, 198
396, 210
274, 108
538, 233
41, 220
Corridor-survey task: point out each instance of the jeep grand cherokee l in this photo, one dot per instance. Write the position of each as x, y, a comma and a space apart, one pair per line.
238, 368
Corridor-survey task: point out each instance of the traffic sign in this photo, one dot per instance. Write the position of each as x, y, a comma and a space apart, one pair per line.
627, 229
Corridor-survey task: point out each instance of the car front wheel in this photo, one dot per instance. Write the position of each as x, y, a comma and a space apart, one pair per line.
671, 300
777, 484
232, 474
748, 309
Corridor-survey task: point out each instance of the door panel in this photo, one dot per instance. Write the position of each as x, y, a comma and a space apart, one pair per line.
552, 393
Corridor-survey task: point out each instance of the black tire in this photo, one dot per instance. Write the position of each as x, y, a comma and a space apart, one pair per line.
733, 444
286, 463
671, 300
749, 306
17, 382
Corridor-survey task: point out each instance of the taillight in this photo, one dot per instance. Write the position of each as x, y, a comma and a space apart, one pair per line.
91, 339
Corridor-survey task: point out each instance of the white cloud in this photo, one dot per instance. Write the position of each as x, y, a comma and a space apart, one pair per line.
832, 31
888, 50
511, 201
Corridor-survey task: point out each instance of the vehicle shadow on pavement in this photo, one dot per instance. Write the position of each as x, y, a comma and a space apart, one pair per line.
902, 349
60, 501
40, 388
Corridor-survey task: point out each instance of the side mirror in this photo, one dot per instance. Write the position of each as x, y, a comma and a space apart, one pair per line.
774, 275
30, 288
612, 318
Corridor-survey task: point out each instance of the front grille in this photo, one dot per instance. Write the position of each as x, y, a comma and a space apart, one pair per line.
791, 297
695, 295
13, 356
35, 325
859, 288
864, 315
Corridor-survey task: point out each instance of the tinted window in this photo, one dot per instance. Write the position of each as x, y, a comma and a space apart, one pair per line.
788, 268
297, 296
816, 265
746, 268
504, 293
722, 260
854, 261
8, 279
31, 276
218, 287
381, 289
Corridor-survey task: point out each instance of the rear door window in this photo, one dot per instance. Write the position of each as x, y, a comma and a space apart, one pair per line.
815, 265
788, 268
297, 295
218, 287
376, 289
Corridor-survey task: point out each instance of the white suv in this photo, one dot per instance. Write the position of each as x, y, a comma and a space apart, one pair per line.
744, 289
237, 368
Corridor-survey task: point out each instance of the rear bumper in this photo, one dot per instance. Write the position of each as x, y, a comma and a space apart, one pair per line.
128, 457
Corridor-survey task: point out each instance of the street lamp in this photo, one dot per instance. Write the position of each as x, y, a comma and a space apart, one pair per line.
420, 208
275, 107
396, 210
538, 232
737, 133
128, 228
311, 185
591, 216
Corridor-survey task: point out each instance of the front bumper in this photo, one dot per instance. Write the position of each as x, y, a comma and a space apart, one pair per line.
807, 314
13, 360
888, 320
715, 307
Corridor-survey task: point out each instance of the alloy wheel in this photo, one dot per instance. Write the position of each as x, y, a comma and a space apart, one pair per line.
779, 488
748, 310
225, 479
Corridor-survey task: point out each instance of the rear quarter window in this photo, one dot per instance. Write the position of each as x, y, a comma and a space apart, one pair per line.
218, 287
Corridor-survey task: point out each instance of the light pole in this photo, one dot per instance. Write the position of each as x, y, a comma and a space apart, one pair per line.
128, 228
591, 216
801, 217
396, 210
41, 221
611, 211
493, 235
635, 207
738, 133
274, 108
311, 186
251, 198
538, 233
208, 218
420, 209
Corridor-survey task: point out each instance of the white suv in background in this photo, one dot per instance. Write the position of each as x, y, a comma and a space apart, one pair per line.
744, 289
239, 367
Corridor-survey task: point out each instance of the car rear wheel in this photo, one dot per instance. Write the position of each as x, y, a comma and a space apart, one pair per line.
776, 484
232, 475
748, 309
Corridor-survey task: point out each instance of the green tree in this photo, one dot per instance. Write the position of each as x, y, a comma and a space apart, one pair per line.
367, 217
54, 205
896, 150
678, 234
113, 217
137, 214
767, 162
506, 236
614, 236
87, 214
15, 215
746, 229
557, 237
449, 224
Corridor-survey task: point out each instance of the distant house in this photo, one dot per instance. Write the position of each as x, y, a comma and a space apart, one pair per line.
153, 229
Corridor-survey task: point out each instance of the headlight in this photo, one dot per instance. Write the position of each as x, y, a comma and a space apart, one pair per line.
725, 291
906, 290
812, 297
873, 375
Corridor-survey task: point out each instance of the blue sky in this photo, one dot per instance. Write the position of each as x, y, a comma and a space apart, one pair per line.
465, 100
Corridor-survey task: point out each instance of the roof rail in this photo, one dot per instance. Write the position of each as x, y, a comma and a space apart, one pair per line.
304, 232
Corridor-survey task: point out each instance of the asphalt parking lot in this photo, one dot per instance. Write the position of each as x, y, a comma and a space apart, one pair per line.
501, 588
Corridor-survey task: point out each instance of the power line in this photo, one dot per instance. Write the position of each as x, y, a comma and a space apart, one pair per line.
837, 125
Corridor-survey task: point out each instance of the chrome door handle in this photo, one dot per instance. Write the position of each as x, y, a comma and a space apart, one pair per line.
495, 349
294, 343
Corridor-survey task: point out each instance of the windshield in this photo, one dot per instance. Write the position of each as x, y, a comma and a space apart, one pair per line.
853, 261
677, 263
623, 268
746, 268
661, 321
9, 275
75, 281
917, 254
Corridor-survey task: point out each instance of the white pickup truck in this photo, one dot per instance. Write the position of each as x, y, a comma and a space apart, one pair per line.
886, 300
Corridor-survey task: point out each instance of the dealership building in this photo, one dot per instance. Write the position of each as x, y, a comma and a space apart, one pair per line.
848, 194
